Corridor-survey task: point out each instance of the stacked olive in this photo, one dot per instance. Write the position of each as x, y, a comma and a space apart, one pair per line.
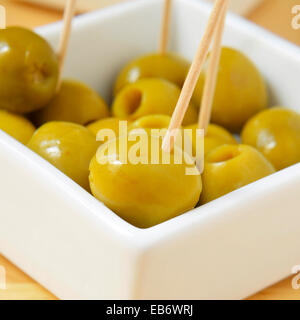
69, 116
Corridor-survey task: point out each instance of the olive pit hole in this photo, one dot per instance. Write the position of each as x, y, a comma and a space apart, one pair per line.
132, 101
224, 153
154, 123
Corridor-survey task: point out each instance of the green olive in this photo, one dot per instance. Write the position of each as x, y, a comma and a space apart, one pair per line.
152, 121
16, 126
143, 193
28, 70
170, 67
150, 96
157, 125
112, 124
276, 133
107, 123
75, 102
240, 90
68, 146
230, 167
214, 137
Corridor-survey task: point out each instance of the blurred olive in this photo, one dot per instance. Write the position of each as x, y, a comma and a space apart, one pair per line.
28, 70
16, 126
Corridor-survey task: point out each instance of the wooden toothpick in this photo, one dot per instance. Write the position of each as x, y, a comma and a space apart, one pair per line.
65, 35
193, 75
2, 17
165, 28
212, 74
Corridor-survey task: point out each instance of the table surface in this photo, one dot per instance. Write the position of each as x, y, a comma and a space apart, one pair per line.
274, 15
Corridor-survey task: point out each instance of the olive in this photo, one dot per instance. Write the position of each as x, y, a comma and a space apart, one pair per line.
152, 121
157, 125
108, 123
143, 193
169, 66
68, 146
230, 167
276, 133
240, 90
150, 96
16, 126
28, 70
75, 102
214, 137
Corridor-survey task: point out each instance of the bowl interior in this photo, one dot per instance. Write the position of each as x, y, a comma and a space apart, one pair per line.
103, 41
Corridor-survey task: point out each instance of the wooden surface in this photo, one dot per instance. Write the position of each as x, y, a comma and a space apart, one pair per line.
276, 15
272, 14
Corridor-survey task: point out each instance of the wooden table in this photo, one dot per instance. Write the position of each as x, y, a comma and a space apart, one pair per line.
272, 14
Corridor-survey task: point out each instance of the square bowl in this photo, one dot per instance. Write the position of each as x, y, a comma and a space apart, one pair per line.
79, 249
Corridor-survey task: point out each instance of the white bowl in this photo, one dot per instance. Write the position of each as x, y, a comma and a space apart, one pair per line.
78, 249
